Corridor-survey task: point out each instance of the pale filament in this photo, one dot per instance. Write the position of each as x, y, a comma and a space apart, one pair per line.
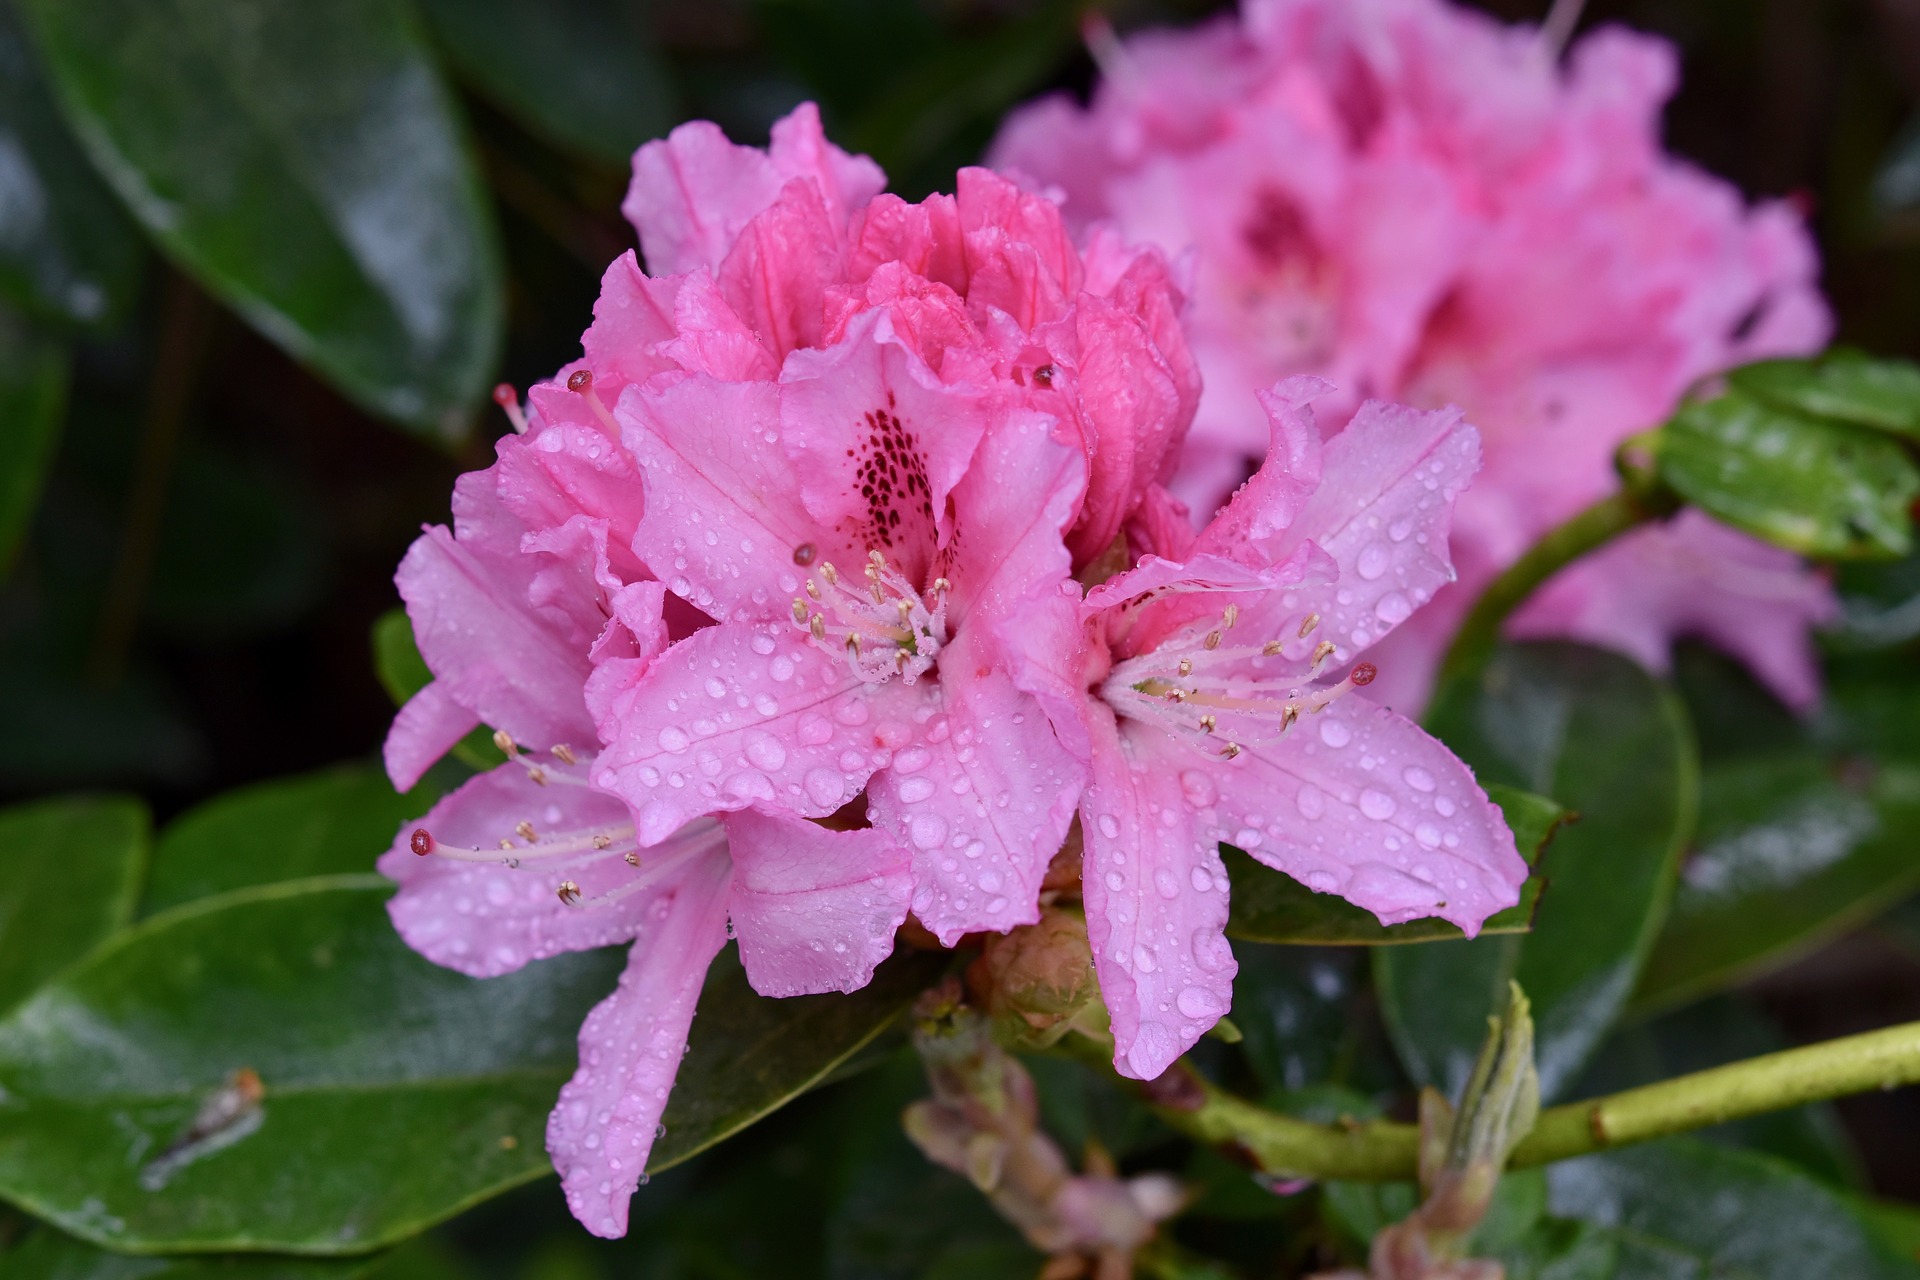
879, 623
570, 850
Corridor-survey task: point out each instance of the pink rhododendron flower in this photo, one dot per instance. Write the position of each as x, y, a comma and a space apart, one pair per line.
1199, 688
869, 432
511, 610
1418, 203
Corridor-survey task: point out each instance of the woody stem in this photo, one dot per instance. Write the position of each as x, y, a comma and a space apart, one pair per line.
1384, 1151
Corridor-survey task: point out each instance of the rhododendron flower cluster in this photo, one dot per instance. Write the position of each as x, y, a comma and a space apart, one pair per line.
777, 602
1418, 203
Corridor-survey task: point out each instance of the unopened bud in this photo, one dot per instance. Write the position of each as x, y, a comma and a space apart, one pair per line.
1037, 982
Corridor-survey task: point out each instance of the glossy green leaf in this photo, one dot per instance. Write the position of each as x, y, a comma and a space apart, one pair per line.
395, 1092
66, 248
51, 1255
1270, 906
1556, 1249
70, 873
33, 398
1688, 1210
333, 822
583, 73
1816, 487
1606, 740
303, 161
1897, 1225
403, 673
1845, 385
1791, 850
1879, 605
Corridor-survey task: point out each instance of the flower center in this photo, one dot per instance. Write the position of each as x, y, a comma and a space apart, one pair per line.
878, 622
1194, 685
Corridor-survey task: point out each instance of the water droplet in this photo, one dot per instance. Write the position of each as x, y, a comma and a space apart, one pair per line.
915, 790
1417, 778
1198, 788
1198, 1002
1143, 961
1202, 880
1109, 826
1321, 881
1373, 561
1167, 883
1115, 881
1377, 805
850, 712
765, 751
1310, 801
716, 687
673, 739
1335, 733
912, 760
1393, 608
825, 787
1427, 834
763, 645
814, 730
1443, 806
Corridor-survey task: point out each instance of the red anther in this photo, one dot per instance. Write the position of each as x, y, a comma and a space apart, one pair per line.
580, 380
421, 843
504, 395
1364, 674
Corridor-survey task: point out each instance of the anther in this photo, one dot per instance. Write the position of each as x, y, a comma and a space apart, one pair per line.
570, 893
505, 843
1307, 624
1186, 667
421, 842
580, 381
799, 612
1231, 750
1231, 616
536, 775
813, 590
504, 740
1287, 717
1207, 723
831, 574
631, 858
941, 586
817, 627
1213, 639
509, 401
564, 754
1321, 652
1271, 648
525, 831
602, 841
803, 554
877, 560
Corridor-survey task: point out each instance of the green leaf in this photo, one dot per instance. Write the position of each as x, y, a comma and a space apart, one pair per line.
335, 821
66, 248
1816, 487
70, 871
50, 1255
1845, 385
1271, 906
1556, 1249
1791, 850
1609, 742
403, 673
1879, 605
582, 73
33, 398
1897, 1225
1688, 1210
395, 1093
750, 1055
303, 161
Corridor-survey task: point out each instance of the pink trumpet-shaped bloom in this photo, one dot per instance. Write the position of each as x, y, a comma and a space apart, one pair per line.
533, 592
1421, 204
870, 434
1206, 690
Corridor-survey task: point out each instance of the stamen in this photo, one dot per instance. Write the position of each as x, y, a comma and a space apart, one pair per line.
580, 382
525, 831
1307, 624
1321, 652
422, 842
504, 740
1271, 649
1185, 668
631, 858
1231, 616
602, 841
509, 401
570, 893
884, 628
803, 554
564, 754
1213, 639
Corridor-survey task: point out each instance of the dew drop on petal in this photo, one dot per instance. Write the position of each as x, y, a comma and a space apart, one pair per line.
1198, 1002
1335, 733
1310, 801
825, 787
1377, 805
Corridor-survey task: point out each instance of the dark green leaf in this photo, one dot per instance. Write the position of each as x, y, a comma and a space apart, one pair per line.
1845, 385
1606, 740
69, 875
302, 160
1791, 850
1556, 1249
66, 249
33, 395
1688, 1210
403, 673
1816, 487
1270, 906
336, 821
1879, 605
50, 1255
751, 1055
395, 1092
583, 73
1897, 1225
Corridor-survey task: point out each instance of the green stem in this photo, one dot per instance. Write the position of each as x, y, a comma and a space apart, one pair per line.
1384, 1151
1593, 528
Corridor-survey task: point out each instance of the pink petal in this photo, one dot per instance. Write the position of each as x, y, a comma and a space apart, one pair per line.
724, 518
1256, 521
488, 918
517, 670
739, 715
983, 800
632, 318
877, 442
427, 728
815, 910
1020, 258
1359, 801
1021, 493
604, 1123
776, 275
1156, 896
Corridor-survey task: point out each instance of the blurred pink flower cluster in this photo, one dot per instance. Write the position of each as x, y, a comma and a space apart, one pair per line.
837, 580
1420, 204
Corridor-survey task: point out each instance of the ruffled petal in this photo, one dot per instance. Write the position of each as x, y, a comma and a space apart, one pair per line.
814, 910
426, 728
1156, 898
631, 1045
1361, 802
735, 716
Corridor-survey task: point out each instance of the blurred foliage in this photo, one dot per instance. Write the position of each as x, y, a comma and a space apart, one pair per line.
240, 240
